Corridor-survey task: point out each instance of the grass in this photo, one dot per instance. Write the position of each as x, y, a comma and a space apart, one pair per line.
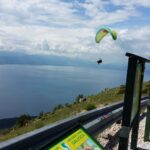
90, 107
105, 97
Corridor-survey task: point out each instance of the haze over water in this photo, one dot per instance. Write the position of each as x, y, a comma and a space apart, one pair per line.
32, 89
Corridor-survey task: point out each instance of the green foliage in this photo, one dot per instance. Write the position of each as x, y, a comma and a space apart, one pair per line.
67, 105
121, 89
122, 86
79, 97
148, 85
90, 107
145, 90
59, 106
23, 120
4, 131
108, 96
41, 114
38, 125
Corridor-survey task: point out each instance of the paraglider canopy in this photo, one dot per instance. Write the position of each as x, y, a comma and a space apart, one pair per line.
103, 31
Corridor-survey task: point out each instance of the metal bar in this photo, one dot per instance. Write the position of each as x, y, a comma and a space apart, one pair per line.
98, 125
41, 137
142, 59
48, 133
124, 134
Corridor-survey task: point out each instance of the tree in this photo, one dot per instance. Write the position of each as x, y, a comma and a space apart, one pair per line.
59, 106
41, 114
67, 105
23, 119
90, 107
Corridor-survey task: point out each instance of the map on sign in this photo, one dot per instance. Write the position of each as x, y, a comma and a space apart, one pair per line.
78, 140
136, 95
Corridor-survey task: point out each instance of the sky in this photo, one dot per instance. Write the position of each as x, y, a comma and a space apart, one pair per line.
68, 28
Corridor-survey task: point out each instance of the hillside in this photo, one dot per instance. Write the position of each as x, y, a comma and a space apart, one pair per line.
105, 97
7, 123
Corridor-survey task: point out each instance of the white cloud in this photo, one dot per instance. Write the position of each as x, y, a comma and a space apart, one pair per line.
59, 13
92, 7
39, 12
65, 28
144, 3
135, 40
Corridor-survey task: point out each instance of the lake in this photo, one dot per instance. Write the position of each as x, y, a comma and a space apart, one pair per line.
32, 89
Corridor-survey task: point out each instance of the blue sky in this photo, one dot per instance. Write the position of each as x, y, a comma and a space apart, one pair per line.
68, 27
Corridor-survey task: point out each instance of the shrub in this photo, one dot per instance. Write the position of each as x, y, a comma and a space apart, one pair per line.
4, 131
106, 89
59, 106
90, 107
121, 89
79, 97
122, 86
145, 90
41, 114
148, 84
68, 105
38, 125
23, 119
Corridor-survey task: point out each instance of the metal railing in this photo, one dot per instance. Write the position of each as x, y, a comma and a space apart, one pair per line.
93, 121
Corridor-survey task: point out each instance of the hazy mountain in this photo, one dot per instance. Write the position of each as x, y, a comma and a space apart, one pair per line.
21, 58
25, 59
7, 123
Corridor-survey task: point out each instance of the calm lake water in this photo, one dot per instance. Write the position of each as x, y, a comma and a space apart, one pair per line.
32, 89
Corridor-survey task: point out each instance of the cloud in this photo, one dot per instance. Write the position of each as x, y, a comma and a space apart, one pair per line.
100, 13
37, 12
131, 3
89, 13
68, 28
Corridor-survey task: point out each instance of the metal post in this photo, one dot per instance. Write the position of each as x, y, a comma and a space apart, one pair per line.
131, 109
135, 127
124, 134
147, 126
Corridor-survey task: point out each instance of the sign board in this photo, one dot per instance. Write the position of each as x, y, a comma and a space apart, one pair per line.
136, 94
132, 98
76, 140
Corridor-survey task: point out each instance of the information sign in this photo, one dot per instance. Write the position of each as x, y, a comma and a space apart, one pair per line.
136, 94
77, 140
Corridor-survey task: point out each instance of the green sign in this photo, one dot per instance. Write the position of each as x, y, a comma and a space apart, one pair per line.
136, 95
77, 140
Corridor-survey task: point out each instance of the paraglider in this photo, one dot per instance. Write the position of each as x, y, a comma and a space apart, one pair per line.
99, 61
102, 32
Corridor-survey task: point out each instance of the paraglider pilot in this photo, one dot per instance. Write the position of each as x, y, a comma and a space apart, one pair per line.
99, 61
